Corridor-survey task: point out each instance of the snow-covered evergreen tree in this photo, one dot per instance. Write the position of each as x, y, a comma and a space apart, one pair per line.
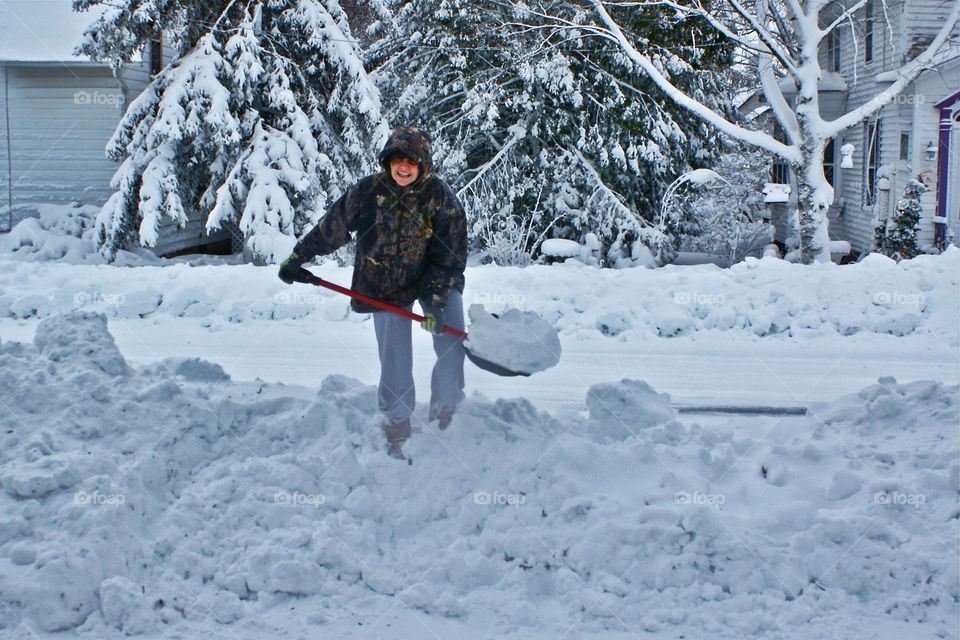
896, 237
264, 116
544, 129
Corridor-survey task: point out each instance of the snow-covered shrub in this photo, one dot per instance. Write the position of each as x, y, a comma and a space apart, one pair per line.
725, 215
505, 239
60, 232
508, 239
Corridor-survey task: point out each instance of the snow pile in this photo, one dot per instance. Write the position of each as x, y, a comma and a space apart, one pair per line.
517, 340
170, 500
560, 248
619, 409
756, 298
59, 233
63, 233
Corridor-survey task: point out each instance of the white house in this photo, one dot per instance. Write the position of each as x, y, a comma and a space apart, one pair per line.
905, 139
57, 112
917, 134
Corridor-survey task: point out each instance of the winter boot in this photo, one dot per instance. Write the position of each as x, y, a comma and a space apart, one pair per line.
443, 413
397, 433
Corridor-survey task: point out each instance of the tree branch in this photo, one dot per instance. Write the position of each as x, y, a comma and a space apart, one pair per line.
847, 13
517, 133
757, 138
723, 29
907, 73
766, 37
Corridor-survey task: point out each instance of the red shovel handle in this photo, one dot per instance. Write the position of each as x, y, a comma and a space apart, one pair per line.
308, 278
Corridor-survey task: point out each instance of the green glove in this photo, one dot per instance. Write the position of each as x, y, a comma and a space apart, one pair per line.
290, 268
433, 319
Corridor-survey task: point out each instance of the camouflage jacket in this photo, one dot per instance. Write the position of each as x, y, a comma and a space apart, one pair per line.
411, 241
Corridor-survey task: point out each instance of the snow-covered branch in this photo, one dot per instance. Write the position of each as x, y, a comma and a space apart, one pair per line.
905, 75
757, 138
847, 14
764, 34
517, 132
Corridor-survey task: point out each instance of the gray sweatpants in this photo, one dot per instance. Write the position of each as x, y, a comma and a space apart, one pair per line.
397, 396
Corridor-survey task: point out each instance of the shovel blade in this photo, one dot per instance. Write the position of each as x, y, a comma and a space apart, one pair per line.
492, 367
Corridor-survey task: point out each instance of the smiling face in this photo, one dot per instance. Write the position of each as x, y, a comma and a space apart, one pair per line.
403, 170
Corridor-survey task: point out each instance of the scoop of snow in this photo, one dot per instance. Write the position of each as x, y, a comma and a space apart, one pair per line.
521, 341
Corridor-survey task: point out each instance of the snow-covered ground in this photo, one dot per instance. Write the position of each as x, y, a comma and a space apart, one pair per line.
764, 331
148, 492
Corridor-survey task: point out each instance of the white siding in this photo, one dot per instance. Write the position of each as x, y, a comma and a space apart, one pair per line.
136, 75
952, 209
912, 21
924, 19
60, 120
4, 156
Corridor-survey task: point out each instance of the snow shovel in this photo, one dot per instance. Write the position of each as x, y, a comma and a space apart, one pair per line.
307, 277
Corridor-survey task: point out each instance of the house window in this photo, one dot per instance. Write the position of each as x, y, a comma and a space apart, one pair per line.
904, 146
868, 32
833, 50
871, 162
156, 56
829, 162
779, 172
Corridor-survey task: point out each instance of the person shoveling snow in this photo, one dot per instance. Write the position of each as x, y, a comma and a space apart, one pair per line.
411, 245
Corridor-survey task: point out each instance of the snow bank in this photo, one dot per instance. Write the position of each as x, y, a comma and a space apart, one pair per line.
170, 500
65, 234
62, 233
766, 297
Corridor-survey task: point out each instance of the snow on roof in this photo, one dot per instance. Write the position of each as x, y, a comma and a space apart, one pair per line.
832, 81
41, 30
756, 113
829, 81
742, 96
